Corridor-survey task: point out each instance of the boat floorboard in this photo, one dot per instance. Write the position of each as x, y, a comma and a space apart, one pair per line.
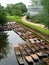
35, 57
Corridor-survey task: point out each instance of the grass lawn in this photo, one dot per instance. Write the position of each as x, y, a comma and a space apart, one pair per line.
18, 19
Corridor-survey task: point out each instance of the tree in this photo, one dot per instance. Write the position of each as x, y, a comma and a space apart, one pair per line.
35, 2
3, 18
9, 9
16, 9
45, 3
43, 16
22, 7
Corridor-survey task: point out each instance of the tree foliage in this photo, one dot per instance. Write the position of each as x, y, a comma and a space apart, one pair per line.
45, 3
43, 17
35, 2
4, 45
16, 9
3, 18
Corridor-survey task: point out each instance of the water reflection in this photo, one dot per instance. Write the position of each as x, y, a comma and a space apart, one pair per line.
14, 38
4, 47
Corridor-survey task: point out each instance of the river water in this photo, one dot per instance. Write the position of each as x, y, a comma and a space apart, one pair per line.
7, 40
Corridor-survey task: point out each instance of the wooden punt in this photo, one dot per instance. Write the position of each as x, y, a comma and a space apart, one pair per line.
46, 60
37, 40
19, 56
23, 38
29, 33
47, 46
36, 51
16, 49
30, 53
39, 51
19, 33
40, 55
20, 59
31, 47
35, 57
17, 26
41, 46
29, 37
20, 28
44, 54
17, 29
36, 46
22, 50
29, 59
24, 35
46, 51
25, 54
24, 31
31, 40
41, 40
27, 48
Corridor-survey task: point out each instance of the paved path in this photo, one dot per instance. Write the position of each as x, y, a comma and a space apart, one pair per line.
36, 24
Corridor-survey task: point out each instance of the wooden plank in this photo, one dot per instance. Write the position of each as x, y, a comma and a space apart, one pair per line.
26, 55
27, 48
40, 54
31, 47
29, 59
47, 46
37, 40
36, 46
25, 36
46, 60
20, 59
18, 55
46, 51
19, 33
41, 46
35, 57
44, 54
31, 40
22, 50
17, 51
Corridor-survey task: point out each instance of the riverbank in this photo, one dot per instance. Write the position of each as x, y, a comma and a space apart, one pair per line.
32, 23
44, 33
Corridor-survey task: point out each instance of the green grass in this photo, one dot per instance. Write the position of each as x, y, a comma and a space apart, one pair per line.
18, 19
